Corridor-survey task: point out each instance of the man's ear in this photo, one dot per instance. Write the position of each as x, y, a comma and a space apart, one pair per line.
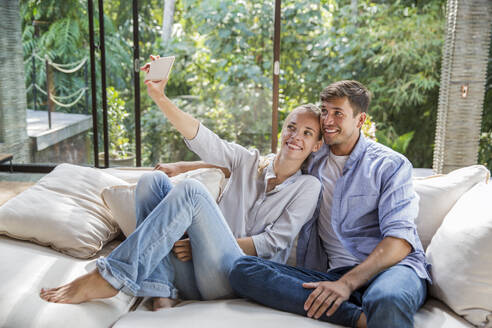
362, 119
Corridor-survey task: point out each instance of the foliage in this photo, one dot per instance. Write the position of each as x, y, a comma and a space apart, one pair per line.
119, 141
368, 129
224, 62
485, 150
485, 146
59, 35
391, 139
384, 45
394, 48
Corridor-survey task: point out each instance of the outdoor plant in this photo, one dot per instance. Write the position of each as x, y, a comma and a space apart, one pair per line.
390, 138
485, 150
119, 141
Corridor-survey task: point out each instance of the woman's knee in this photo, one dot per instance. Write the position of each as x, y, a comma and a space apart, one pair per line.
191, 187
153, 179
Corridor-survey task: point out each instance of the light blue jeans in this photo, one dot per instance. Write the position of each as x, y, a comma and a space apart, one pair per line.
143, 265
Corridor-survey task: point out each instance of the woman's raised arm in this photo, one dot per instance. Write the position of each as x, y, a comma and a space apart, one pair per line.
186, 124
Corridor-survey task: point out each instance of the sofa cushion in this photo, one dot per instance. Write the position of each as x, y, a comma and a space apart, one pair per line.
439, 193
240, 313
63, 210
460, 254
10, 189
121, 199
27, 267
129, 174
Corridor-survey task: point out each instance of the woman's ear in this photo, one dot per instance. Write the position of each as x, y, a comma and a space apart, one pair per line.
318, 145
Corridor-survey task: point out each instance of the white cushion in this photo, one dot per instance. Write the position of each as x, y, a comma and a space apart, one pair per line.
461, 256
27, 267
63, 210
240, 313
129, 174
121, 199
439, 193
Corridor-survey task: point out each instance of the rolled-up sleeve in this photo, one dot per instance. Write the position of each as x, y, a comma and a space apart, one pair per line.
213, 150
398, 203
281, 233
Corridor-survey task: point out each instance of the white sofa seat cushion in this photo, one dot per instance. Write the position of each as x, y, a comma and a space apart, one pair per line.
64, 210
461, 256
120, 200
240, 313
27, 267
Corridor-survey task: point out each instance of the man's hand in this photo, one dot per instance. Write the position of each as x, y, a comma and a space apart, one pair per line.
182, 249
325, 294
171, 169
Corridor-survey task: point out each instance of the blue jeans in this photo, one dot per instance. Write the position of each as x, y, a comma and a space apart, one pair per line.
143, 265
388, 300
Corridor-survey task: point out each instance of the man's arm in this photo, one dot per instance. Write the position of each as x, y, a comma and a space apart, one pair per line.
172, 169
386, 254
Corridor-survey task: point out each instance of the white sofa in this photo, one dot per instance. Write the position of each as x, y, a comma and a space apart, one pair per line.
463, 275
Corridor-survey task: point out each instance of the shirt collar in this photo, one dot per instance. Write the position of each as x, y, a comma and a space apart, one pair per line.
270, 173
357, 152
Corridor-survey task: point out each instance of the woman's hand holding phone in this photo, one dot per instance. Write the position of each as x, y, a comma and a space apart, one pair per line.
155, 89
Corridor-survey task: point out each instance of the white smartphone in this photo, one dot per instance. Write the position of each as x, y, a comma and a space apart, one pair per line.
160, 68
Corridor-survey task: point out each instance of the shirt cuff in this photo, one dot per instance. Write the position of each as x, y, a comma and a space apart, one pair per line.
195, 141
406, 234
261, 246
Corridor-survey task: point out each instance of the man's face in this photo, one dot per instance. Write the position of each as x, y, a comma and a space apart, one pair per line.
340, 127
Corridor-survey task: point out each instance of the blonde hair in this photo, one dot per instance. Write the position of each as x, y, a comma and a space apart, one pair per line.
310, 108
263, 163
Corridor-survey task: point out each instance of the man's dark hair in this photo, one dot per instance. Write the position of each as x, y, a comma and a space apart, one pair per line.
356, 93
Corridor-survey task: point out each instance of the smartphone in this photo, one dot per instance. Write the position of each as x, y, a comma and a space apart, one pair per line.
160, 68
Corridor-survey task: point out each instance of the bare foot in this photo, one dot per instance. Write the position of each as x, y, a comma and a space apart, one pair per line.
82, 289
362, 322
163, 303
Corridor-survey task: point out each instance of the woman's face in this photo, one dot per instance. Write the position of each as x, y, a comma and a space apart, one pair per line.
300, 135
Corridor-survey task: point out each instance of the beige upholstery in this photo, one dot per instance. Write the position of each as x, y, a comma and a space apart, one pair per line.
460, 254
27, 267
121, 199
240, 313
64, 210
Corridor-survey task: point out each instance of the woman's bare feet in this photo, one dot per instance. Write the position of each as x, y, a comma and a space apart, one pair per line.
163, 303
82, 289
362, 322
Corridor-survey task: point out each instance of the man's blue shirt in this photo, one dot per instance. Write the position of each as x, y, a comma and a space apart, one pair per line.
373, 199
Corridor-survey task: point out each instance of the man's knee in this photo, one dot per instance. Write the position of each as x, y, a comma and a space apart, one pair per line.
241, 272
387, 299
398, 289
385, 308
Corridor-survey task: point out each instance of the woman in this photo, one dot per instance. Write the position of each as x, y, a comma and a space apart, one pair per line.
262, 209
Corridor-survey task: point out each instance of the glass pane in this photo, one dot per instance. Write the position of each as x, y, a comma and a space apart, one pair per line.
118, 27
392, 47
56, 71
222, 72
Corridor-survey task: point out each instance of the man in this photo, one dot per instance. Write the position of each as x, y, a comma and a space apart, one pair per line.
359, 259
